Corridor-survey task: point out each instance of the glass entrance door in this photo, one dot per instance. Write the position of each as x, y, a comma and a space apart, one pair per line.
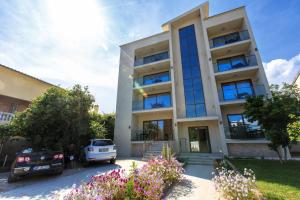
199, 139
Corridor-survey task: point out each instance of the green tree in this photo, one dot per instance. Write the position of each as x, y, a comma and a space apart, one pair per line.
275, 114
57, 118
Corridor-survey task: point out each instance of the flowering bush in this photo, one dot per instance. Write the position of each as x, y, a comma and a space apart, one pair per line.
235, 186
106, 186
145, 183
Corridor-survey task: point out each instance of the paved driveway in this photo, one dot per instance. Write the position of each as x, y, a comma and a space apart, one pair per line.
196, 185
55, 186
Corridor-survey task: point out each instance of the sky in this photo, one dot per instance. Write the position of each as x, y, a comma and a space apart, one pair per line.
67, 42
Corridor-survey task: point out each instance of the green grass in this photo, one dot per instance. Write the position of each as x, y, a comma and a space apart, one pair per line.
276, 181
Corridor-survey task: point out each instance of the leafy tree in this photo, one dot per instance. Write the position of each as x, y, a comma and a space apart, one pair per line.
275, 114
106, 121
109, 124
294, 129
57, 118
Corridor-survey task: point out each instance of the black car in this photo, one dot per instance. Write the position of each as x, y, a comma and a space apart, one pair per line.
31, 162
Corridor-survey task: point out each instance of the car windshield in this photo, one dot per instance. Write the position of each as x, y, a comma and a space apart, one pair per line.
32, 150
102, 142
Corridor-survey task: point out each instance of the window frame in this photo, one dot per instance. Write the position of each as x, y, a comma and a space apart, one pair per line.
156, 95
236, 88
230, 62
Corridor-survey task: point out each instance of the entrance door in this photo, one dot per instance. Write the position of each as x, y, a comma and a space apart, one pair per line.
199, 139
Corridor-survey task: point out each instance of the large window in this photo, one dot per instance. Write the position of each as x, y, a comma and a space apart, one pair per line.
157, 101
231, 63
192, 81
240, 127
158, 129
237, 90
156, 78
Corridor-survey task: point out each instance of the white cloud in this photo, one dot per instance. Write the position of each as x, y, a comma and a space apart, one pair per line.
67, 42
281, 70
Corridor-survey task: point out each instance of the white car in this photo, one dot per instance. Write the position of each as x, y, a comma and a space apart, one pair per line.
100, 150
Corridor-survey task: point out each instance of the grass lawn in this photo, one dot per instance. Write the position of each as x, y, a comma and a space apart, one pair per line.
276, 181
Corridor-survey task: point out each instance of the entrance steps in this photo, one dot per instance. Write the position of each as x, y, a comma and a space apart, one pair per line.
199, 158
154, 150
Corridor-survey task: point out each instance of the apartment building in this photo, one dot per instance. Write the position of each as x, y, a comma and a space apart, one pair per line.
17, 90
297, 80
187, 85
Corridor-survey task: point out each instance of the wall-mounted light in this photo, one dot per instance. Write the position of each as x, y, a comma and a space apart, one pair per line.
129, 127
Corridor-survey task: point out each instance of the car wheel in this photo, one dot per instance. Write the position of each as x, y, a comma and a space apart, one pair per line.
12, 178
112, 161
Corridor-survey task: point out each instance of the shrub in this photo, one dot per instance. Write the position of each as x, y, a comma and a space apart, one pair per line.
106, 186
148, 182
233, 185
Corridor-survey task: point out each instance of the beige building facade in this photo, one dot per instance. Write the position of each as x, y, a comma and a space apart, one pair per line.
17, 90
187, 85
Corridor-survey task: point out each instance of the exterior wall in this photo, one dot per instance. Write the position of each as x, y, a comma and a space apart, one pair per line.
297, 80
125, 122
137, 149
20, 86
250, 150
205, 29
295, 148
7, 103
213, 131
139, 119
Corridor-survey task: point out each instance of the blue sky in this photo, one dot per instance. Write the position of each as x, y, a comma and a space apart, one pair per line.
77, 41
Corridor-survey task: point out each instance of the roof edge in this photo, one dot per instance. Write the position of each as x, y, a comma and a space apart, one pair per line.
295, 79
186, 13
22, 73
241, 7
157, 34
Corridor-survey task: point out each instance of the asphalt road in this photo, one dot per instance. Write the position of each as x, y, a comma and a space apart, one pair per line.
54, 187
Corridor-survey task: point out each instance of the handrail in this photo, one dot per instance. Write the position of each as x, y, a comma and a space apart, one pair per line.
243, 131
152, 58
227, 39
249, 62
235, 94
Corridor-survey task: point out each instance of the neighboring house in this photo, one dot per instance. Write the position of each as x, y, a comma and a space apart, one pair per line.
17, 90
297, 80
187, 86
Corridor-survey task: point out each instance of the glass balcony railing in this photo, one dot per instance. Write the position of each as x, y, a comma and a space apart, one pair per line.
148, 134
153, 102
244, 132
152, 58
229, 38
241, 92
151, 79
235, 62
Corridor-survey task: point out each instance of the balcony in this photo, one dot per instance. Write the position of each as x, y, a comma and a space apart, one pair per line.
138, 106
150, 135
6, 117
152, 79
244, 132
229, 39
234, 63
237, 94
152, 58
153, 103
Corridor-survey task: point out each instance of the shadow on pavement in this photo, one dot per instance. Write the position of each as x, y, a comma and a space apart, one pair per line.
45, 187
